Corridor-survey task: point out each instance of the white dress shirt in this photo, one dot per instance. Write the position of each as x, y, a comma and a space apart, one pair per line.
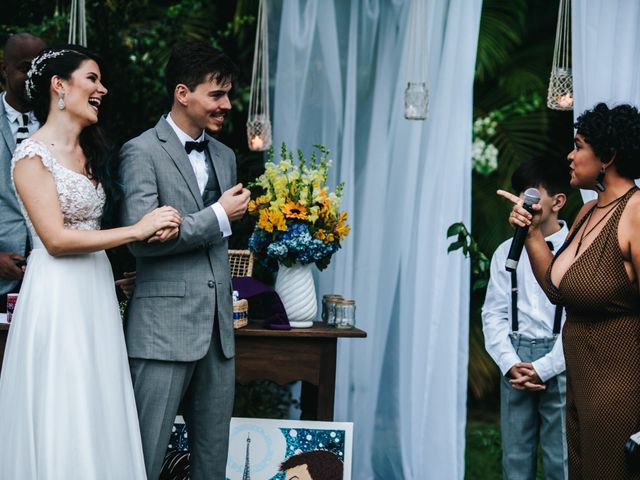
200, 167
535, 313
12, 118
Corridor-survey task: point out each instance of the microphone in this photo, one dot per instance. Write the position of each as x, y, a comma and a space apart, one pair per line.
531, 197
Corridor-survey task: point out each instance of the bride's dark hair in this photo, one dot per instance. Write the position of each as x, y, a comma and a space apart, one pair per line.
63, 61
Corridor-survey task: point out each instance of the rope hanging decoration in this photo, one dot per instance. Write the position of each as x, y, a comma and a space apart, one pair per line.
560, 94
258, 123
78, 23
416, 95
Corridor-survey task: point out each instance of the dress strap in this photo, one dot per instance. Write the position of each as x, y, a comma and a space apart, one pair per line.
617, 213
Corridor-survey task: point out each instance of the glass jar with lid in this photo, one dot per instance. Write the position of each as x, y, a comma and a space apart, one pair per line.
345, 313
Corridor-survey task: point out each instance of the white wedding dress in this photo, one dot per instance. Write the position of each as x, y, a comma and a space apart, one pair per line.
67, 409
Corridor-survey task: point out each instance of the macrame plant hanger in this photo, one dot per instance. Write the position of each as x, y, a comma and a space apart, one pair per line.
560, 94
416, 95
78, 23
258, 123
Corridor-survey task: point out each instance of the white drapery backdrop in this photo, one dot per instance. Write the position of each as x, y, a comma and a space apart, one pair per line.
339, 81
606, 54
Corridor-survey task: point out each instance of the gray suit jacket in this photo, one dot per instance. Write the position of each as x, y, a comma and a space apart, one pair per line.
181, 283
13, 229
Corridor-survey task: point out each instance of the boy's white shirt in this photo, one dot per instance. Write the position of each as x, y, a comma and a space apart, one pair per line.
535, 313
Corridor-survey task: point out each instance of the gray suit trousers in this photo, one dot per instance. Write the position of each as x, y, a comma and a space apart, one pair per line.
205, 389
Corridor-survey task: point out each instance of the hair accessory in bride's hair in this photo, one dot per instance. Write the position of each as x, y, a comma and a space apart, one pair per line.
37, 66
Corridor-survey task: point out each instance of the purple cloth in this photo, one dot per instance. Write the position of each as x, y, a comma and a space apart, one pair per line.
264, 302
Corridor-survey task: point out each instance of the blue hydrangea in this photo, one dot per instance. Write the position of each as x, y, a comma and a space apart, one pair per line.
295, 245
277, 250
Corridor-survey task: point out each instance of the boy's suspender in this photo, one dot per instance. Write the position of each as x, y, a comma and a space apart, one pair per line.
557, 319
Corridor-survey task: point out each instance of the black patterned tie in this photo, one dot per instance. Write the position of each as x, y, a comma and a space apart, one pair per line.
197, 146
23, 129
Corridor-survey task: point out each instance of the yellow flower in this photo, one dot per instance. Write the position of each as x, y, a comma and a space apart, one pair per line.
320, 234
252, 206
342, 229
264, 221
313, 214
277, 220
262, 200
294, 210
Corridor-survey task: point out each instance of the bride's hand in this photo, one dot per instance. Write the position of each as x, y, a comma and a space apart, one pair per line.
519, 216
158, 219
164, 235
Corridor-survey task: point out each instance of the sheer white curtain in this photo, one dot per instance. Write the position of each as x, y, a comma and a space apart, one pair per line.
606, 54
339, 81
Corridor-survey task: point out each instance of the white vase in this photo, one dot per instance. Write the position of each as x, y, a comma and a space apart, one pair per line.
297, 291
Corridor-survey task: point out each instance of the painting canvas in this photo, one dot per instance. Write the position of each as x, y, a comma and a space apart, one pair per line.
257, 448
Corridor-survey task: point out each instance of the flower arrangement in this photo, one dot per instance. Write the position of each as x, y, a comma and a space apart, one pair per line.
299, 220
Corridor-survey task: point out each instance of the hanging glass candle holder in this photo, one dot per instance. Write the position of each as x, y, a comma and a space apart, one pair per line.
259, 133
416, 95
560, 93
416, 101
258, 123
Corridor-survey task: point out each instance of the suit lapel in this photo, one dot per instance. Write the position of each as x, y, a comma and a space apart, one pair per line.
176, 151
218, 164
5, 128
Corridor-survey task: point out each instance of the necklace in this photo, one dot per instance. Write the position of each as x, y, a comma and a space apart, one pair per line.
584, 233
614, 200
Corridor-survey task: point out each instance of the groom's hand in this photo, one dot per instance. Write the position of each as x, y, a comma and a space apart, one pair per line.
164, 234
8, 268
235, 201
127, 283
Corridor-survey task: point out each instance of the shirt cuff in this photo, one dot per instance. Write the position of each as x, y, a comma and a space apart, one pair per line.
223, 219
544, 368
507, 361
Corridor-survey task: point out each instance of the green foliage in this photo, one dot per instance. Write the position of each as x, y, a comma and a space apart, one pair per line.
479, 262
483, 454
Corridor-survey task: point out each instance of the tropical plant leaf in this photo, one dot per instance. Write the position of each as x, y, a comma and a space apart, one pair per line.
501, 30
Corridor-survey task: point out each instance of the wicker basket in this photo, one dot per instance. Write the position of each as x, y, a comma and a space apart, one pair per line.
241, 265
240, 313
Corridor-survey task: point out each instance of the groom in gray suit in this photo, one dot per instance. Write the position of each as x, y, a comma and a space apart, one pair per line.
179, 325
17, 122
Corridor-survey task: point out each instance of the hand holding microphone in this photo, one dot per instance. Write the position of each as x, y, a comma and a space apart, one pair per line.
521, 218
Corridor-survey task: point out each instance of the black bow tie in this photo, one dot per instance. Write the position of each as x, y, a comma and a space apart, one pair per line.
198, 146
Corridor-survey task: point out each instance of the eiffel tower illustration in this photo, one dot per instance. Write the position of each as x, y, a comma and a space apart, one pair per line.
247, 469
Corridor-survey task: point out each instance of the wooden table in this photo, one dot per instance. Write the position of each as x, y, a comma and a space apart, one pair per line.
307, 354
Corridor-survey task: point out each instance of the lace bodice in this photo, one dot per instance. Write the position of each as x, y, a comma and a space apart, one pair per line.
80, 202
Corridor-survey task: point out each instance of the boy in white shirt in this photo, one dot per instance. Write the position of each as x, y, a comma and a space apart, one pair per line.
525, 341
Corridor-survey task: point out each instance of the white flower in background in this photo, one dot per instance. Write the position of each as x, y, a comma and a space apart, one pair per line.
484, 155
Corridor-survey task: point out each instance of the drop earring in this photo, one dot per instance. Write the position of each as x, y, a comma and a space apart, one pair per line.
600, 179
61, 100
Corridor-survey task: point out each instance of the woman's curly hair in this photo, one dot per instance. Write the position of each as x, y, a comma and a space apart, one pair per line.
613, 131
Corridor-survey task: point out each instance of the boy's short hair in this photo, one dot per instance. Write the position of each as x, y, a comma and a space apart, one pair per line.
192, 63
551, 174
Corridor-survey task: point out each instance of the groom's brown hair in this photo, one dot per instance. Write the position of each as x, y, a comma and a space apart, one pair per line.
192, 63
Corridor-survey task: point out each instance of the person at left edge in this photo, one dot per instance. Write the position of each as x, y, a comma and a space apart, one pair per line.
17, 122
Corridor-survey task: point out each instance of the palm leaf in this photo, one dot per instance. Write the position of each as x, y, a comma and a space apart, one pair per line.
501, 30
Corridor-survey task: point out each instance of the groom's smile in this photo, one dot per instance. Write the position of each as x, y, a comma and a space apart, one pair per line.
208, 104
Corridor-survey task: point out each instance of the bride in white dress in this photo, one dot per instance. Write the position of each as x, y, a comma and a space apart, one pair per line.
67, 409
